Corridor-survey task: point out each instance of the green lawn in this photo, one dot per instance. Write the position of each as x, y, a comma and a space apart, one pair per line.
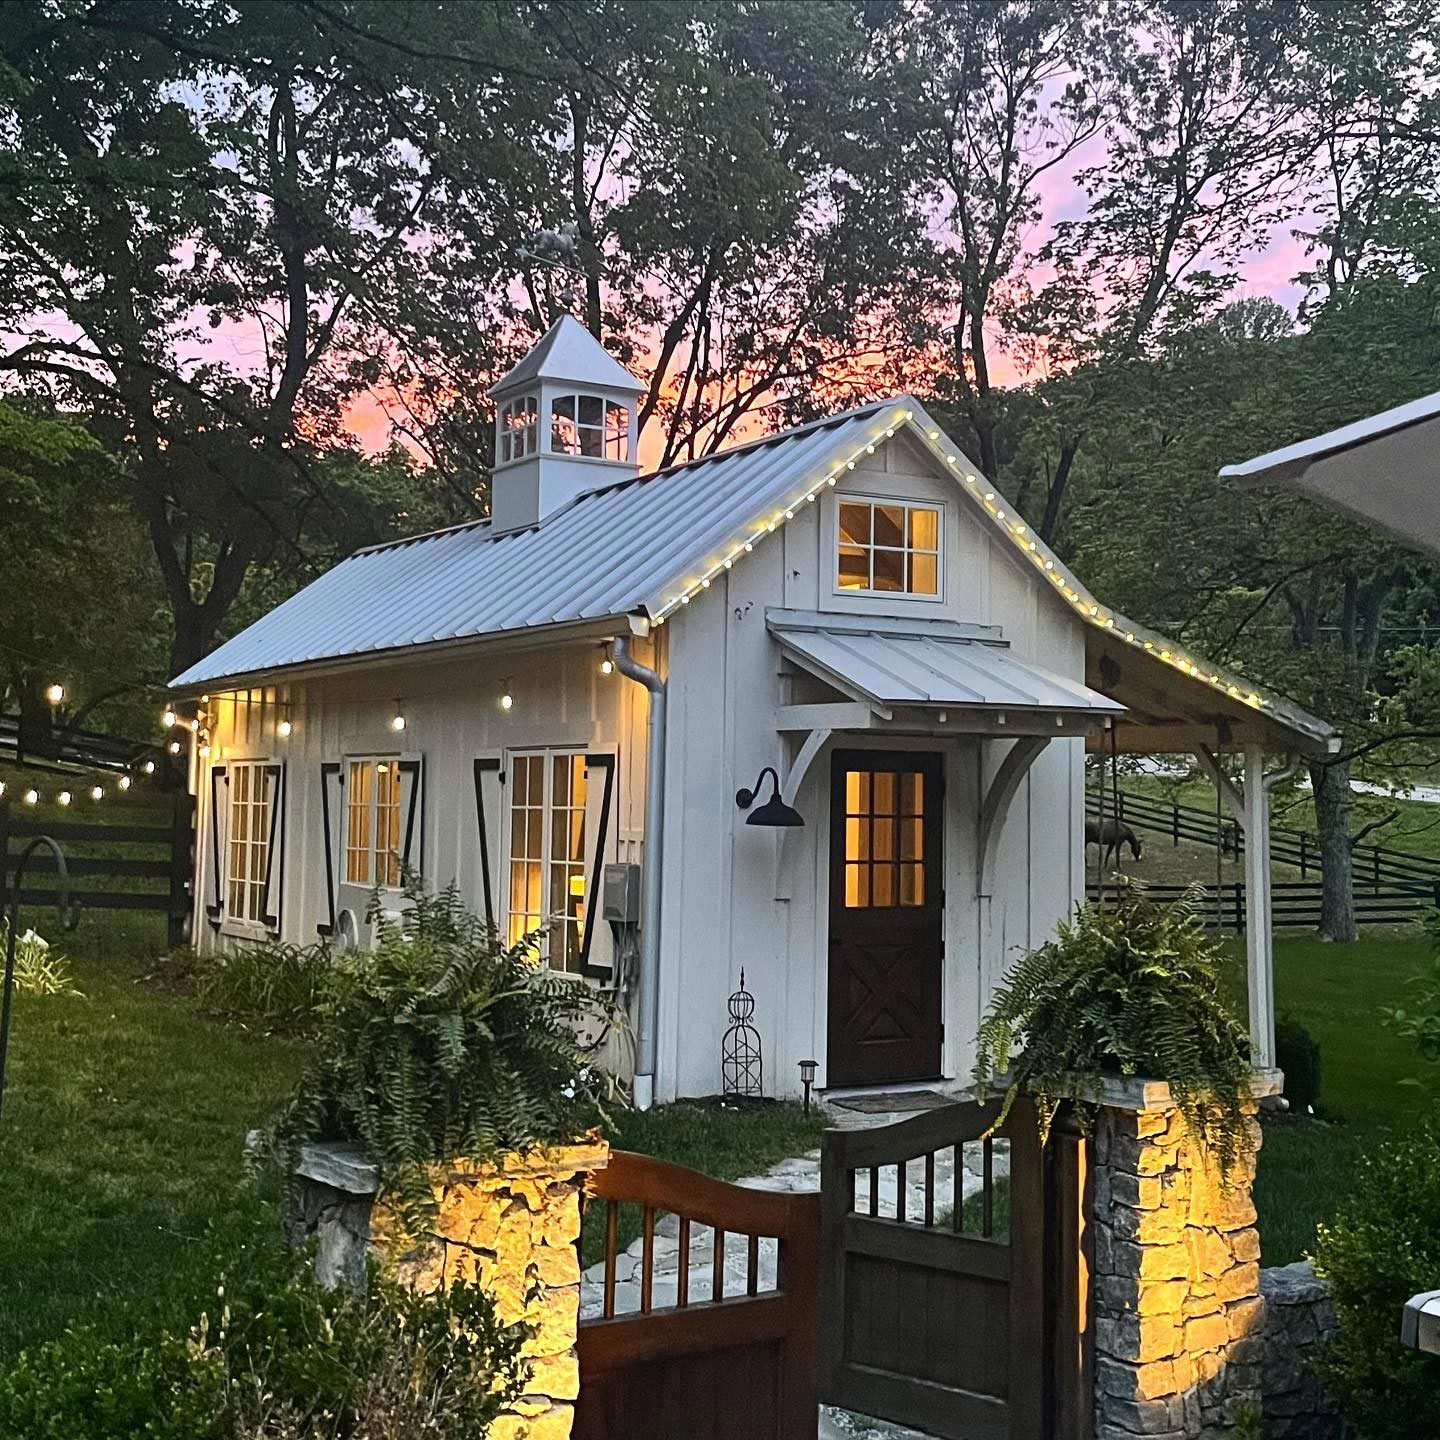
1337, 992
121, 1141
121, 1181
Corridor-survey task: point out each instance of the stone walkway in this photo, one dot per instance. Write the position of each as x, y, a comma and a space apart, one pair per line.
799, 1174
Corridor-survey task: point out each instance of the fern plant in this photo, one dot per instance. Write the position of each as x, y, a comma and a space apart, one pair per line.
441, 1043
1135, 988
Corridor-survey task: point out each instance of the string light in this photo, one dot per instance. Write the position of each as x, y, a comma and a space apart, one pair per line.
64, 797
55, 693
31, 797
397, 720
124, 782
1087, 608
174, 747
97, 792
148, 767
507, 701
284, 729
168, 718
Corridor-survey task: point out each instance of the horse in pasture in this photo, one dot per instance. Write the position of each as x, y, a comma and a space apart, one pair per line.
1110, 835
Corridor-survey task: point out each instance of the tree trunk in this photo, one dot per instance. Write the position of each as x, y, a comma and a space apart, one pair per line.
1056, 496
1332, 816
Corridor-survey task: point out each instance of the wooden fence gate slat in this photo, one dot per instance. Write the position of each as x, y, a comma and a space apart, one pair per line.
966, 1321
736, 1367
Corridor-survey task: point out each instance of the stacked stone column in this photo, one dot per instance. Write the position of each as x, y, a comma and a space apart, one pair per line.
510, 1227
1177, 1309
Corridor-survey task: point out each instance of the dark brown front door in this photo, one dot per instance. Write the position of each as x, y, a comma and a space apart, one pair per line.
886, 916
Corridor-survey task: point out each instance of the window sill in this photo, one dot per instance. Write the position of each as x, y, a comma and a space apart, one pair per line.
246, 930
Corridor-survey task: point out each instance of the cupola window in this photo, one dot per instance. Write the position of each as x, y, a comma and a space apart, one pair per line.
519, 428
591, 426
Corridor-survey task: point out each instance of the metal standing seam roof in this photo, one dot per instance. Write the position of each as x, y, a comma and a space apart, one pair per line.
611, 552
930, 663
646, 546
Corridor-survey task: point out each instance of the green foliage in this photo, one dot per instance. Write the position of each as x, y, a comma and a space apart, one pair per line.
441, 1042
279, 1357
1128, 988
271, 987
1297, 1053
1419, 1022
39, 970
1382, 1248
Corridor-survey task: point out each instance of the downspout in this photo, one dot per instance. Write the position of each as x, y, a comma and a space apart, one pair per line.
647, 1002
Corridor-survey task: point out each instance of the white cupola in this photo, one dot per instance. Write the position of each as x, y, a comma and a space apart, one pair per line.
565, 423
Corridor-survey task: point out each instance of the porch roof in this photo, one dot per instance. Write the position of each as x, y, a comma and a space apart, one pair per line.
928, 663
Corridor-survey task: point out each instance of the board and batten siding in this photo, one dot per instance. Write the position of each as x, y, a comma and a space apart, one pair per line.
732, 900
729, 906
452, 718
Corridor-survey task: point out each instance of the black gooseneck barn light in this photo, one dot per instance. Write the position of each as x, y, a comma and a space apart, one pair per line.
774, 812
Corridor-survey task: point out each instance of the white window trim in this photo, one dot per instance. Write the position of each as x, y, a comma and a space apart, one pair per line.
942, 510
242, 927
343, 865
627, 408
548, 753
505, 433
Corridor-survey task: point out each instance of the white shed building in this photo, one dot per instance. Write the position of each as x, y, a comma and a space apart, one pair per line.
588, 679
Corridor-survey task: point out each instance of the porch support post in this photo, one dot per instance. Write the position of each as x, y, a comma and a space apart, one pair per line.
1259, 937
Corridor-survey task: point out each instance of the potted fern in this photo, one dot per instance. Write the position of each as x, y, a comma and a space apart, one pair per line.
1133, 989
440, 1045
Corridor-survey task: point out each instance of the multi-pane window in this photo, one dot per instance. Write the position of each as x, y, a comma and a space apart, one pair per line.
249, 841
889, 547
884, 839
590, 425
547, 853
372, 823
519, 433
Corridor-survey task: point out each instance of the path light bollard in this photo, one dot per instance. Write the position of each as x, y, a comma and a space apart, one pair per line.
68, 915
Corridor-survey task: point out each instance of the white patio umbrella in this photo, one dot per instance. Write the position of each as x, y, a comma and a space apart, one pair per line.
1384, 471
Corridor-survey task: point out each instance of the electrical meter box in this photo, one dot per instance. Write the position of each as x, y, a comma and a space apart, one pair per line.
620, 895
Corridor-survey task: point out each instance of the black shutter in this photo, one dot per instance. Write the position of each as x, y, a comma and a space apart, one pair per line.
274, 892
412, 811
487, 771
329, 771
595, 852
219, 829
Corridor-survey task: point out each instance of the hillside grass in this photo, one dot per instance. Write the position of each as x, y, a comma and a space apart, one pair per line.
1337, 992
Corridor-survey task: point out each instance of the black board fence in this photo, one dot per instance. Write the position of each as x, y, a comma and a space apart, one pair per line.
1294, 904
1375, 867
113, 865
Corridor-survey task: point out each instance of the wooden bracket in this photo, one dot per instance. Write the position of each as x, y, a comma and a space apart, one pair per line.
996, 804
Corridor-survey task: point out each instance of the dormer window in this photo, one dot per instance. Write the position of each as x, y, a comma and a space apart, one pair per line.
591, 426
519, 428
888, 547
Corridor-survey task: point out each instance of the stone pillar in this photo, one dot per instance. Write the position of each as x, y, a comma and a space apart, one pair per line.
1177, 1309
509, 1227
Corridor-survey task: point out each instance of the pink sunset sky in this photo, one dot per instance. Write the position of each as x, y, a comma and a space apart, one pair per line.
1269, 270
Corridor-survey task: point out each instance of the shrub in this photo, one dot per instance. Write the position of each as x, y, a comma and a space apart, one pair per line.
1382, 1248
281, 1359
441, 1042
271, 987
1130, 988
39, 970
1419, 1022
1297, 1053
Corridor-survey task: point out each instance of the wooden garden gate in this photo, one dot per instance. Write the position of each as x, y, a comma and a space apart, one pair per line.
966, 1319
702, 1352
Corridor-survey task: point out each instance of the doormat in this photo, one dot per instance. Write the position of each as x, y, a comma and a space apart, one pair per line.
899, 1103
